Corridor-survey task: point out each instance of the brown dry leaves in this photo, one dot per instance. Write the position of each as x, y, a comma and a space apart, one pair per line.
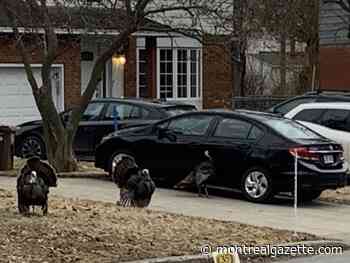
341, 195
87, 231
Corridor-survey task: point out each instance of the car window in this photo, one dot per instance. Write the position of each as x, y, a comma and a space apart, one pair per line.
122, 111
92, 112
288, 106
232, 128
255, 133
291, 129
310, 115
336, 119
190, 125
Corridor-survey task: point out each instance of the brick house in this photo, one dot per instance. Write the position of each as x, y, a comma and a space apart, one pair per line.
334, 47
156, 65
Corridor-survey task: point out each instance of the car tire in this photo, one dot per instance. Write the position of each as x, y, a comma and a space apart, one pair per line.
32, 145
113, 158
309, 195
256, 185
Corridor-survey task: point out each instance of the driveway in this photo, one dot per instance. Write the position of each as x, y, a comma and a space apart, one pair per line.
324, 219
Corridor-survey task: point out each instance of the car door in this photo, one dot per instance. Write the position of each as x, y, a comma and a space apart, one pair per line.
179, 145
84, 140
229, 147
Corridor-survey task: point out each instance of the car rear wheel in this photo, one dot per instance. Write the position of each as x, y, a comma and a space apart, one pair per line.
32, 145
256, 185
115, 158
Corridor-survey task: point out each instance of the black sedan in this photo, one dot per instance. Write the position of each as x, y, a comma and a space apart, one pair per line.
97, 121
253, 152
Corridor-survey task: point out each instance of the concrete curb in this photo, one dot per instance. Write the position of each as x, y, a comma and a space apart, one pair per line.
316, 244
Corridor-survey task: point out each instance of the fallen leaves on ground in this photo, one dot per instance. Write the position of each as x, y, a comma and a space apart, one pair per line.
88, 231
341, 195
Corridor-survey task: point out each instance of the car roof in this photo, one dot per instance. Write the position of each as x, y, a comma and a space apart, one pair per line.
246, 114
324, 105
145, 102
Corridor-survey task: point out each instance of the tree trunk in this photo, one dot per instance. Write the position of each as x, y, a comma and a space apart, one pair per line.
58, 139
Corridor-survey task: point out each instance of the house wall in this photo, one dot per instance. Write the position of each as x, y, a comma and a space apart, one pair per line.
334, 24
217, 75
130, 74
69, 56
334, 47
334, 65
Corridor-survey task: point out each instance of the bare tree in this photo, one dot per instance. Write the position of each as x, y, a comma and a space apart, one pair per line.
34, 23
292, 20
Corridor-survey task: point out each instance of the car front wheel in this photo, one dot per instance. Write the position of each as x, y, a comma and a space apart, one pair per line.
256, 185
32, 145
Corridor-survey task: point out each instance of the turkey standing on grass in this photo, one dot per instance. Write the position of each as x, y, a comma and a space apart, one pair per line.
199, 176
136, 185
33, 183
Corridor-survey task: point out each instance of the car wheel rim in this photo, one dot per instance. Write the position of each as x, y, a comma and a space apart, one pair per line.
31, 146
117, 158
256, 184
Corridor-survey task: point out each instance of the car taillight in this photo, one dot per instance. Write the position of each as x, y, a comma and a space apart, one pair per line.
304, 153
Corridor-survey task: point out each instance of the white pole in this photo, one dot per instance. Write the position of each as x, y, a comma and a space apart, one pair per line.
296, 193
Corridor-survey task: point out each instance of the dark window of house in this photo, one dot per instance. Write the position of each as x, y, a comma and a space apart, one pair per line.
232, 128
166, 73
310, 115
336, 119
92, 112
182, 73
193, 125
143, 90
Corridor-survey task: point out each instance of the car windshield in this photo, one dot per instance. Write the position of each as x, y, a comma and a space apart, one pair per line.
291, 129
172, 111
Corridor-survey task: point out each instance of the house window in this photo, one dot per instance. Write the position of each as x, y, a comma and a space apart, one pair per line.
179, 73
182, 73
142, 72
166, 73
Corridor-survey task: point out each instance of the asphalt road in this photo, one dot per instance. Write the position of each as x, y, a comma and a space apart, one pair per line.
324, 219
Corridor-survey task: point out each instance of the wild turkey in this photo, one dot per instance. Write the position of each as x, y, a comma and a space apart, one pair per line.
136, 185
33, 183
199, 176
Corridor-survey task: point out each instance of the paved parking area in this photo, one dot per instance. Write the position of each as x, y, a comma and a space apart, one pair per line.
327, 220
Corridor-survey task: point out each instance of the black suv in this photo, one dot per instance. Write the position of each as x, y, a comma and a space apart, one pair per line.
316, 96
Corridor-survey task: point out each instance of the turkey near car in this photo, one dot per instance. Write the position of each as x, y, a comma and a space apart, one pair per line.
199, 176
33, 183
136, 185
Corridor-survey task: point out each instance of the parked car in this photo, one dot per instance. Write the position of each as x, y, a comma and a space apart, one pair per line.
254, 152
98, 121
319, 96
331, 120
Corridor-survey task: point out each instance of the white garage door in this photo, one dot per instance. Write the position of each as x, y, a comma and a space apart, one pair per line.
17, 103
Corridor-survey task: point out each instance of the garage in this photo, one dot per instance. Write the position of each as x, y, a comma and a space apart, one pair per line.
17, 104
